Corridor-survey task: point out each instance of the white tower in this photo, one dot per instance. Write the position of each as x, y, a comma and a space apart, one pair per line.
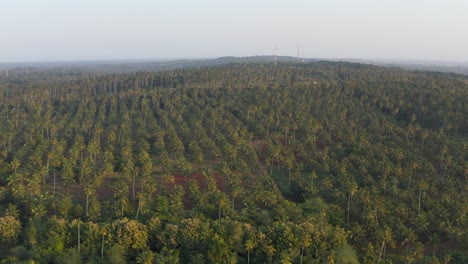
276, 55
298, 55
299, 58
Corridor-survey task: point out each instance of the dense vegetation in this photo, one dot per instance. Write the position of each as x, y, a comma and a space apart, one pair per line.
245, 163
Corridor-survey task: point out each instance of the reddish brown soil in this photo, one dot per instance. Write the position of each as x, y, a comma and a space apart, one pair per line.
258, 145
221, 182
182, 180
105, 192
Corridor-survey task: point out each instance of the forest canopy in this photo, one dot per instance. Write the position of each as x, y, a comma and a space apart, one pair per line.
322, 162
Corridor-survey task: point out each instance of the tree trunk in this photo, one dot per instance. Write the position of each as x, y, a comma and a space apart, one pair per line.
102, 247
87, 204
381, 251
133, 187
376, 219
302, 252
349, 207
138, 209
53, 193
409, 182
120, 134
79, 242
419, 202
445, 170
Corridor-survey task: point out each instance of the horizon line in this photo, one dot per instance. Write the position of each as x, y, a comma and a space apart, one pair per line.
171, 59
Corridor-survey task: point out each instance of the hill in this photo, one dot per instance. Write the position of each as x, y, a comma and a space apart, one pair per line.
244, 162
79, 68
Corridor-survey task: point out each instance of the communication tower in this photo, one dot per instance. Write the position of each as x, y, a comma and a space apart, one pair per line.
276, 55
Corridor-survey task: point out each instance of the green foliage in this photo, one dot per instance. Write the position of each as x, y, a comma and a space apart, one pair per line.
244, 163
130, 234
167, 256
20, 252
116, 254
346, 255
10, 228
281, 178
71, 256
145, 257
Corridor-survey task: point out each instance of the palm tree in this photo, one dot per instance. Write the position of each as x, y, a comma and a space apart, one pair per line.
77, 223
386, 236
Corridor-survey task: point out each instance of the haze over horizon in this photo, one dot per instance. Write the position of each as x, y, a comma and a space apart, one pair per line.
54, 30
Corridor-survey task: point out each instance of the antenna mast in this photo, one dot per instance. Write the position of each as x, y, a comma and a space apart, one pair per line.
299, 59
298, 55
276, 55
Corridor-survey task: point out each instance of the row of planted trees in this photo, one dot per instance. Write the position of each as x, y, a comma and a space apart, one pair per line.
210, 147
191, 240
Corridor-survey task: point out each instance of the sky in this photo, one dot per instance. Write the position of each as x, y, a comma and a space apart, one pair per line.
67, 30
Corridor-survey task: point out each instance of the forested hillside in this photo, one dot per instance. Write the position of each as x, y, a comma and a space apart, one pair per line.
244, 163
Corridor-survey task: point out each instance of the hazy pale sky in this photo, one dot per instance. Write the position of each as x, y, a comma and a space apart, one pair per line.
57, 30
